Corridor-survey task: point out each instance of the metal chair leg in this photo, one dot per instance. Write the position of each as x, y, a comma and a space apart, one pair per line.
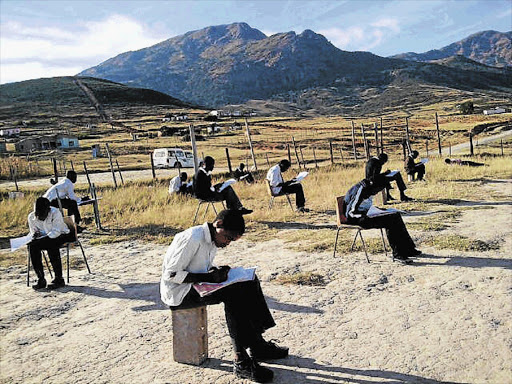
336, 242
197, 211
47, 264
355, 238
28, 269
67, 261
364, 246
85, 258
384, 242
214, 209
290, 202
206, 210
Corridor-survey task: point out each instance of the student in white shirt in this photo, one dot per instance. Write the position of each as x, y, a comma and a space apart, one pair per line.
178, 184
189, 260
280, 187
49, 232
65, 190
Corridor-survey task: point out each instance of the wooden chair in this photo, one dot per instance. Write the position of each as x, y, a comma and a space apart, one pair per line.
343, 223
70, 222
208, 204
273, 196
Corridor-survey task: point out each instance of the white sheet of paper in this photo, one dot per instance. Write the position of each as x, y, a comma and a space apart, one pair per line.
424, 161
392, 173
19, 242
226, 184
300, 177
374, 211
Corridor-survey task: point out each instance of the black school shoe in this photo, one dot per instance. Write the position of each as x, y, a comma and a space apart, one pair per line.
403, 260
245, 211
268, 350
250, 369
57, 283
41, 284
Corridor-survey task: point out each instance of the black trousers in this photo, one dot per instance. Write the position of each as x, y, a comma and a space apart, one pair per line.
70, 205
52, 247
397, 234
296, 189
245, 308
419, 169
384, 181
228, 195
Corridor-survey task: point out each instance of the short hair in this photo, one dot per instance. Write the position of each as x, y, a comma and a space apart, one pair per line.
183, 175
209, 160
71, 175
383, 157
447, 161
232, 221
242, 165
285, 163
41, 207
415, 153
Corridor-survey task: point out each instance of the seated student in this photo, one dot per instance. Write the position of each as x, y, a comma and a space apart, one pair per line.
189, 259
49, 232
242, 174
65, 190
412, 168
179, 185
280, 187
358, 202
468, 163
204, 190
382, 180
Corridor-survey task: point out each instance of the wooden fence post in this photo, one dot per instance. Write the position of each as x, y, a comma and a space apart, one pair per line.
354, 140
268, 162
314, 156
364, 140
471, 149
302, 156
120, 174
502, 154
426, 146
152, 166
112, 165
341, 154
381, 137
330, 150
192, 134
404, 148
296, 153
250, 144
289, 153
376, 129
438, 136
55, 171
407, 137
229, 161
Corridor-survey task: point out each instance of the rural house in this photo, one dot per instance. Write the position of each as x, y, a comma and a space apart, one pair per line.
38, 143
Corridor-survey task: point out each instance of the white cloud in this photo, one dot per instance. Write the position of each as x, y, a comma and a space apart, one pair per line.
363, 38
50, 51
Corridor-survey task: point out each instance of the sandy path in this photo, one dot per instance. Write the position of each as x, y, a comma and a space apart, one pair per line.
447, 318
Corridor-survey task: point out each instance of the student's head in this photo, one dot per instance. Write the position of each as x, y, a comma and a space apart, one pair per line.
209, 163
229, 226
414, 154
71, 175
241, 166
42, 208
447, 161
183, 176
284, 165
383, 158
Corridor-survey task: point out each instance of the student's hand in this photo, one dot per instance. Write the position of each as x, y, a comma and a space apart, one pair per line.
37, 234
218, 275
387, 172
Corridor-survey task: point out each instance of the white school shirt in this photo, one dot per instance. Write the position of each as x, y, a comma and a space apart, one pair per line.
53, 225
64, 188
191, 251
275, 177
174, 185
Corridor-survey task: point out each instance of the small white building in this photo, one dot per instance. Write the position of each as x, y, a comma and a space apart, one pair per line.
494, 111
10, 132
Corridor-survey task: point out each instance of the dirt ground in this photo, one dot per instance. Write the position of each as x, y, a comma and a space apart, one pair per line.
444, 319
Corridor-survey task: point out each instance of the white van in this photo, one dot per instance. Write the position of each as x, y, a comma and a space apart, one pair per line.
172, 158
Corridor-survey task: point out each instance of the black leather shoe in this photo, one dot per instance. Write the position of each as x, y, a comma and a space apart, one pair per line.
406, 198
416, 252
268, 350
403, 260
57, 283
245, 211
41, 284
250, 369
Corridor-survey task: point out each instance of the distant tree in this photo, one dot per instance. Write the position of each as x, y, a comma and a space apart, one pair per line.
467, 108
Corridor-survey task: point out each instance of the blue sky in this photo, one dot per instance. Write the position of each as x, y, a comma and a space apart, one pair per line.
59, 38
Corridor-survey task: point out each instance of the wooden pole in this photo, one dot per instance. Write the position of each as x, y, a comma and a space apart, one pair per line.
364, 141
95, 207
88, 178
229, 161
341, 154
471, 149
296, 153
376, 129
72, 166
15, 178
368, 150
314, 157
112, 165
289, 153
502, 154
302, 156
438, 136
354, 140
404, 148
381, 137
250, 144
407, 137
152, 166
268, 162
330, 150
426, 147
55, 171
194, 148
120, 174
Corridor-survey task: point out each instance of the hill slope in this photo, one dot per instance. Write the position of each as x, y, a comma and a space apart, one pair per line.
488, 47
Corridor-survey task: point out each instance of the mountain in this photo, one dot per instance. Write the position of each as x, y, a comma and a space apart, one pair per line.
232, 64
491, 48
